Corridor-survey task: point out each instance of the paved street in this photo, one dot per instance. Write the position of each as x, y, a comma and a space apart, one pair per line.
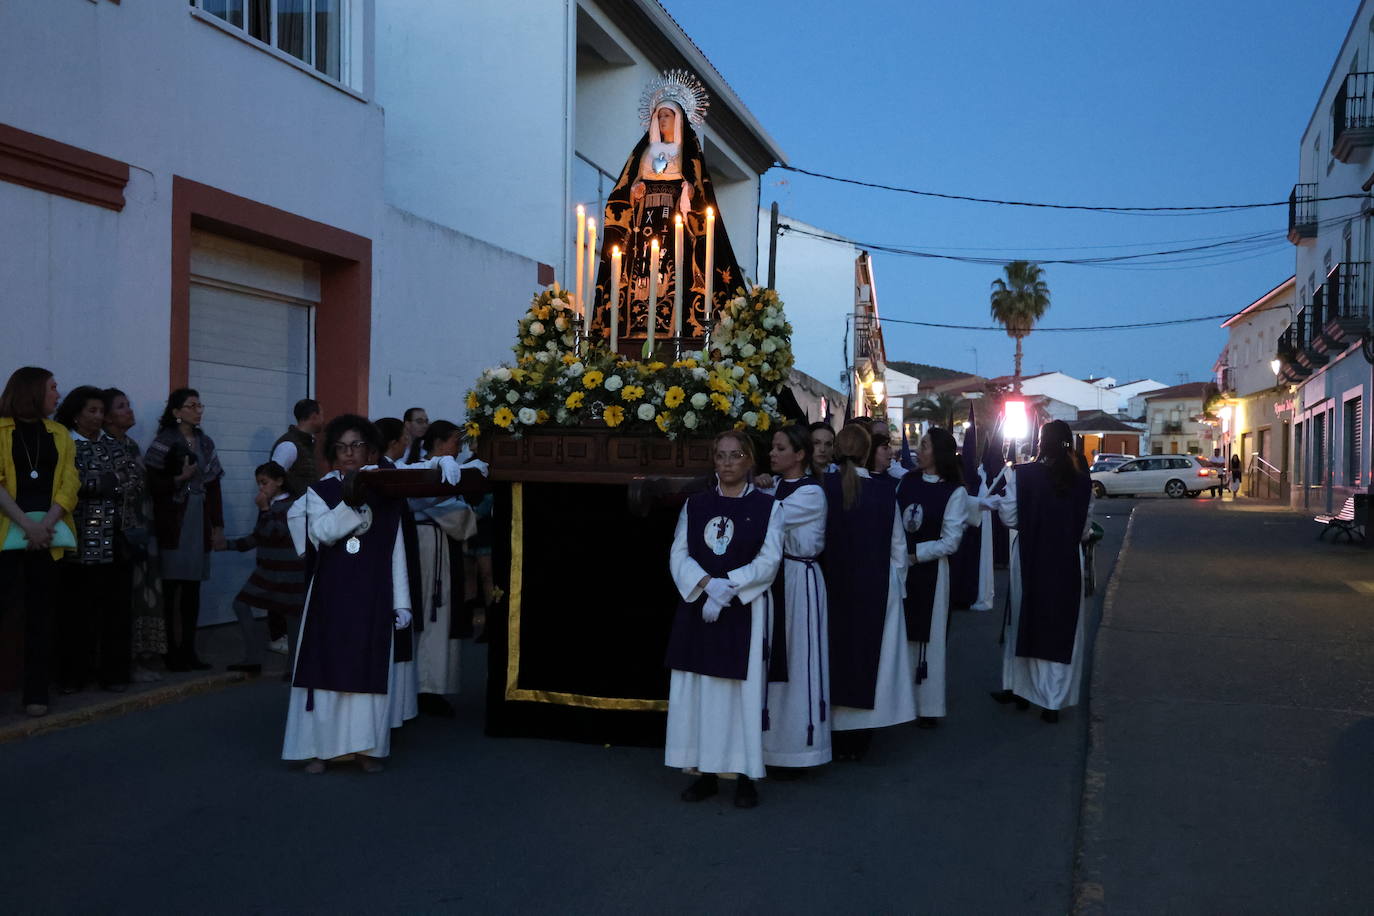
186, 807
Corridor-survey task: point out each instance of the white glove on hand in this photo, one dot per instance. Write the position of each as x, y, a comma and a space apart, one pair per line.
710, 611
721, 590
402, 618
991, 503
449, 470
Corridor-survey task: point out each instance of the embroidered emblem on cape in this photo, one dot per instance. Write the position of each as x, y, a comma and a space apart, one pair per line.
912, 517
720, 531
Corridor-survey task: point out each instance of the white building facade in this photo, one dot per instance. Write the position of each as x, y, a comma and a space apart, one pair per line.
1250, 426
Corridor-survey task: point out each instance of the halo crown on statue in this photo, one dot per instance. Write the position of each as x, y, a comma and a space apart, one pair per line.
679, 87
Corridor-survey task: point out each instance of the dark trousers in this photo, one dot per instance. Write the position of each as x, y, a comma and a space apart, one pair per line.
180, 610
94, 626
31, 573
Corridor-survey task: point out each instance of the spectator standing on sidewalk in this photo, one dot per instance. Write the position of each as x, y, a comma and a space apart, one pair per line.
188, 516
416, 422
94, 621
1047, 503
148, 631
294, 451
38, 487
1234, 479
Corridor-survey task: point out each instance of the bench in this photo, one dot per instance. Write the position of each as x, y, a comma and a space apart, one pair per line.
1350, 521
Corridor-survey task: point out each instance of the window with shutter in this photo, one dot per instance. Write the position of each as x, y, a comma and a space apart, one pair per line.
1354, 435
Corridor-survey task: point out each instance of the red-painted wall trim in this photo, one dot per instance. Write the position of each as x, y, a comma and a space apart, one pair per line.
58, 168
343, 329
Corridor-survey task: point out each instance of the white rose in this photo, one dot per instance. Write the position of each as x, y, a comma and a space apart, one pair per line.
750, 418
543, 356
551, 346
753, 380
727, 323
700, 373
502, 373
646, 411
563, 416
527, 415
689, 420
765, 368
748, 350
700, 400
768, 323
737, 372
741, 340
512, 397
560, 323
614, 383
569, 339
737, 302
770, 312
537, 328
558, 303
770, 344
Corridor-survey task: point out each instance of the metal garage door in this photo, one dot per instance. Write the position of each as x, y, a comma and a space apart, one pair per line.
251, 356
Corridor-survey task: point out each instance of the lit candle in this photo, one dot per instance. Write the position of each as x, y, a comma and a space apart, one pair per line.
710, 302
581, 241
593, 261
615, 298
653, 291
678, 260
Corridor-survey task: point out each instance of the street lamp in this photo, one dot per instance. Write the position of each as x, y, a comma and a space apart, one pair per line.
1276, 364
877, 388
1015, 419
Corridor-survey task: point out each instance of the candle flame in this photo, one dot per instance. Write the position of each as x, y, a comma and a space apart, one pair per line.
710, 212
677, 218
615, 250
591, 224
581, 209
654, 244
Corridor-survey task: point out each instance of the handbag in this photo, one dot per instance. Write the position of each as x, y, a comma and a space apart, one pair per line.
62, 535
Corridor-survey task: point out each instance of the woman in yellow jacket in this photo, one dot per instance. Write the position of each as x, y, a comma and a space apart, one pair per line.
38, 487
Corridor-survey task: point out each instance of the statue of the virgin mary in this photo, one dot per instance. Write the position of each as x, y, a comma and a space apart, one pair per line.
665, 175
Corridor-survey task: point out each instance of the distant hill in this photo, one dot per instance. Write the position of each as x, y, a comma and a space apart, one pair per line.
924, 372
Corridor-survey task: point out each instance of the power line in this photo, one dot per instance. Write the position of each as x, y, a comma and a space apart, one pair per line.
1135, 326
1203, 208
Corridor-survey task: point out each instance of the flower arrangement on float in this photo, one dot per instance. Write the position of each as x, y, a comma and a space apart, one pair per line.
552, 384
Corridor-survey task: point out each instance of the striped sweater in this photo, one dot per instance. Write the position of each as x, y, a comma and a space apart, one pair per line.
278, 580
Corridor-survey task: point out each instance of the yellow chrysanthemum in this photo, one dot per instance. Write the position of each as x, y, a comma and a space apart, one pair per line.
685, 364
528, 341
657, 366
592, 378
719, 384
543, 417
631, 393
722, 402
472, 430
569, 359
542, 313
574, 400
674, 396
756, 398
472, 401
519, 374
614, 415
503, 417
764, 422
662, 421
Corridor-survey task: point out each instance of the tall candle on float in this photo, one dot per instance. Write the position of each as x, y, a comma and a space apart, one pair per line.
653, 290
581, 240
677, 275
593, 260
615, 298
710, 262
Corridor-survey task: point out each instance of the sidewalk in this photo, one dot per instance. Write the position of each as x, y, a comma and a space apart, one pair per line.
218, 645
1231, 757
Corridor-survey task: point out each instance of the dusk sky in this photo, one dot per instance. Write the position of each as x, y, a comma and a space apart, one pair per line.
1164, 104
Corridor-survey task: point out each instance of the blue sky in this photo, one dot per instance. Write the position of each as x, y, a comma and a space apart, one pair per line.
1168, 103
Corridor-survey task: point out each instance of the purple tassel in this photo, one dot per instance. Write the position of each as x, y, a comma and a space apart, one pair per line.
766, 724
822, 710
810, 735
310, 700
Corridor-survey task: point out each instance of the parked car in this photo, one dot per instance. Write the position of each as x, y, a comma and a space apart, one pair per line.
1173, 475
1117, 457
1106, 464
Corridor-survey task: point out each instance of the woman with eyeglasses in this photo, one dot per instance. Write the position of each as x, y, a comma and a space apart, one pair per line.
1048, 504
725, 555
933, 507
865, 565
188, 518
344, 684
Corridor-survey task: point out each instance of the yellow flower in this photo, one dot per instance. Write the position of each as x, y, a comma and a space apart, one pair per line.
528, 341
542, 313
739, 424
722, 402
719, 384
674, 397
764, 421
543, 417
631, 393
569, 359
472, 401
503, 417
472, 430
574, 400
662, 421
685, 364
519, 374
756, 398
614, 415
592, 378
656, 366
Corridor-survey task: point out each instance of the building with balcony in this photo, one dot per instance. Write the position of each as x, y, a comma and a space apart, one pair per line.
1325, 355
1175, 422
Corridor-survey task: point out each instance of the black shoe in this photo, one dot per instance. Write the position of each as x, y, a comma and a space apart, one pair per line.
1003, 696
1022, 704
245, 668
746, 796
431, 704
927, 722
703, 787
1049, 715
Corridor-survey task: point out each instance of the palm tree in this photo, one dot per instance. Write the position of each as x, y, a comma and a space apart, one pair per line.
938, 409
1018, 302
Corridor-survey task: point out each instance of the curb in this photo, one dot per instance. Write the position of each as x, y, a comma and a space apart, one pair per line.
119, 706
1089, 896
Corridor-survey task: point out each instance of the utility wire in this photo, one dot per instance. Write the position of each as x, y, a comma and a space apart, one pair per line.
1204, 208
1094, 327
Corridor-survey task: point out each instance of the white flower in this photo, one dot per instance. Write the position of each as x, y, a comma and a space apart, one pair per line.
767, 323
527, 415
614, 383
727, 323
750, 418
700, 400
646, 411
569, 339
740, 340
700, 373
689, 419
737, 372
753, 380
502, 373
765, 368
563, 416
551, 346
543, 356
771, 402
512, 397
770, 344
558, 303
770, 312
560, 323
537, 328
737, 302
748, 350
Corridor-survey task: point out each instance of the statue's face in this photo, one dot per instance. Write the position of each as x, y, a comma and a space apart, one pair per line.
666, 120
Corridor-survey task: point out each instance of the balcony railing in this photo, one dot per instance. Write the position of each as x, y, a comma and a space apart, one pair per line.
1226, 380
1348, 292
1302, 213
1352, 116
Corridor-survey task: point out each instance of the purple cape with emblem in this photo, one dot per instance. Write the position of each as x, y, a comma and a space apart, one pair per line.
1049, 536
922, 578
857, 565
719, 649
346, 642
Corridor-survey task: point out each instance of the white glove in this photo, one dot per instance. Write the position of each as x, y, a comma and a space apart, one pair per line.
991, 503
449, 470
710, 611
721, 590
476, 464
402, 618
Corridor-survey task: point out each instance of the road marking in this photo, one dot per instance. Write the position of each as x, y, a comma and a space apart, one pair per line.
1364, 587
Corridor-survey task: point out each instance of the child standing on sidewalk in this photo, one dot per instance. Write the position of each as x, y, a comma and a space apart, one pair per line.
278, 581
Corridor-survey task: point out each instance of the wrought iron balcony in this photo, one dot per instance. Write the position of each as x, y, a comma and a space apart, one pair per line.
1302, 213
1311, 321
1347, 303
1290, 370
1352, 116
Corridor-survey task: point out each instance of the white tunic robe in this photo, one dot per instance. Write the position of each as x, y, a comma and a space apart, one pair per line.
715, 724
930, 693
894, 698
797, 704
345, 723
987, 586
1052, 685
436, 655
